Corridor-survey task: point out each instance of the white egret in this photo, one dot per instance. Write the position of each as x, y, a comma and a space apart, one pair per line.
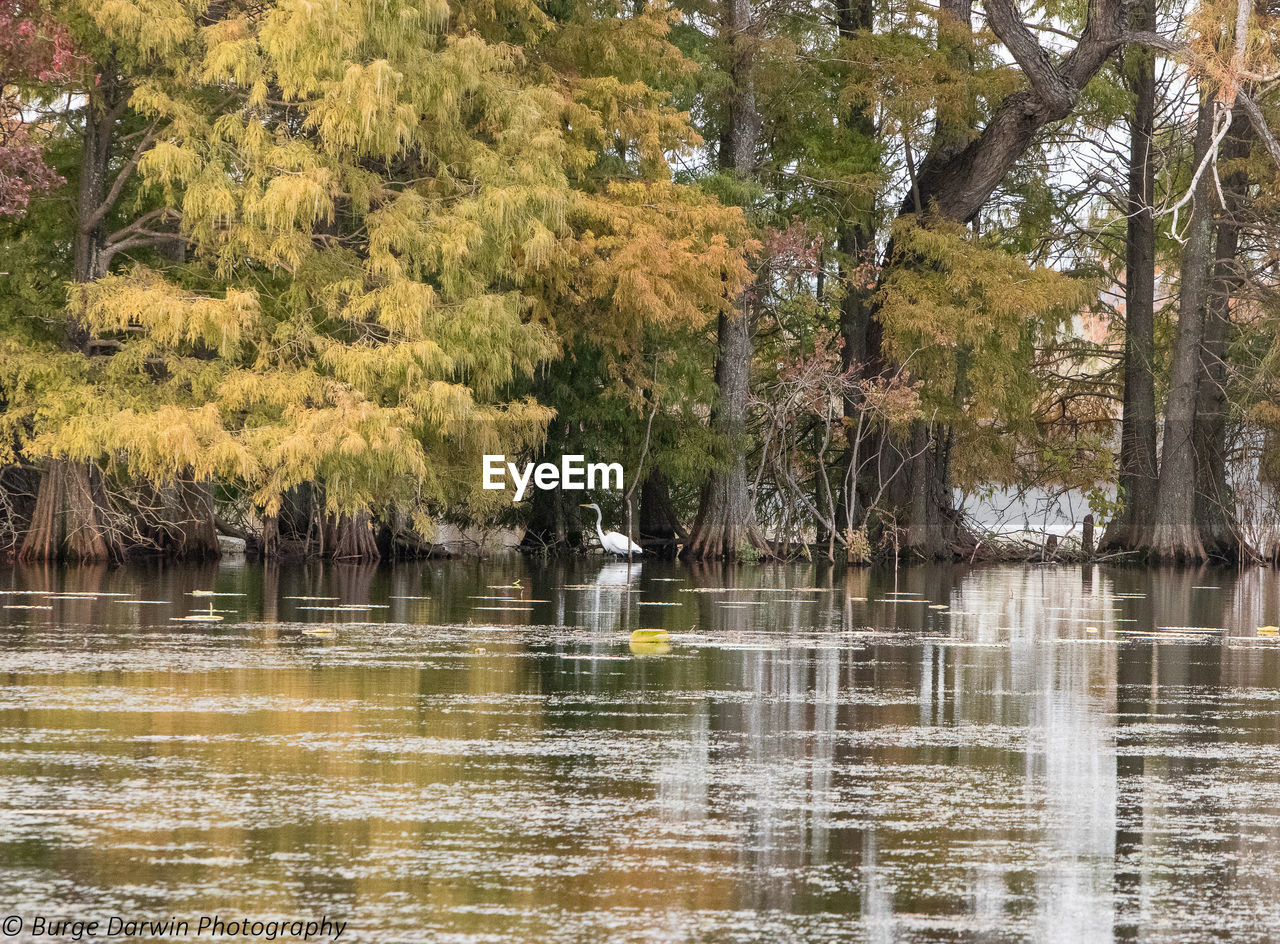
612, 541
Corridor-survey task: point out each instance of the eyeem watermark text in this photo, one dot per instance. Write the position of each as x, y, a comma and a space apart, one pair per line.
573, 474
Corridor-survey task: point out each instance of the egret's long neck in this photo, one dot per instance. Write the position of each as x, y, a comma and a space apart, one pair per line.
600, 525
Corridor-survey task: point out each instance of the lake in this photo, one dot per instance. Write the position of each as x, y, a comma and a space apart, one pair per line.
477, 753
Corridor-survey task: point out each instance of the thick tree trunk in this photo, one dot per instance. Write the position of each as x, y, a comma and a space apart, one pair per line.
398, 540
67, 522
296, 531
919, 517
726, 519
1214, 502
955, 182
1131, 528
1175, 532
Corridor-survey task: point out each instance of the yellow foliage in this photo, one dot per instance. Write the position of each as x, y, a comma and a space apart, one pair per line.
965, 319
390, 224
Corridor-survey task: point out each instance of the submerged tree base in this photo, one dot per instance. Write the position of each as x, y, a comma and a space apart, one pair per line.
180, 522
726, 528
67, 523
660, 531
1190, 544
347, 538
79, 517
350, 538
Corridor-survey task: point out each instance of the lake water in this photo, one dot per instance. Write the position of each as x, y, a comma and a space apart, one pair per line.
431, 753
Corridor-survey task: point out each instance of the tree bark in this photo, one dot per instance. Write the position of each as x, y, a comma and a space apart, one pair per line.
296, 530
958, 185
1139, 476
726, 519
303, 529
67, 523
856, 241
398, 540
952, 129
105, 108
919, 517
1175, 532
1214, 502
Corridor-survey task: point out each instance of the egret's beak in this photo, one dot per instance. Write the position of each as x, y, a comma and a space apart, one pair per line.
584, 506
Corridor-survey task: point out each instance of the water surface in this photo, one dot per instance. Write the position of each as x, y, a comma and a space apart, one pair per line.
433, 753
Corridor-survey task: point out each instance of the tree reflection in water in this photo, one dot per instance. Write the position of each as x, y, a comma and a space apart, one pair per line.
1047, 753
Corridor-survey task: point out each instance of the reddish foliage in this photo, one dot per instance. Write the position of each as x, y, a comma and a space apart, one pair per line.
23, 172
33, 49
32, 46
794, 250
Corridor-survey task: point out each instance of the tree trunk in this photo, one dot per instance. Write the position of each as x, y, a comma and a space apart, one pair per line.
1175, 533
726, 520
106, 106
398, 540
1138, 480
349, 538
856, 241
67, 523
726, 516
920, 518
955, 182
659, 527
952, 125
295, 529
1215, 504
269, 545
304, 529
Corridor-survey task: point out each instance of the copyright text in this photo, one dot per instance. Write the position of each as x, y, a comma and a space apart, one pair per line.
204, 926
